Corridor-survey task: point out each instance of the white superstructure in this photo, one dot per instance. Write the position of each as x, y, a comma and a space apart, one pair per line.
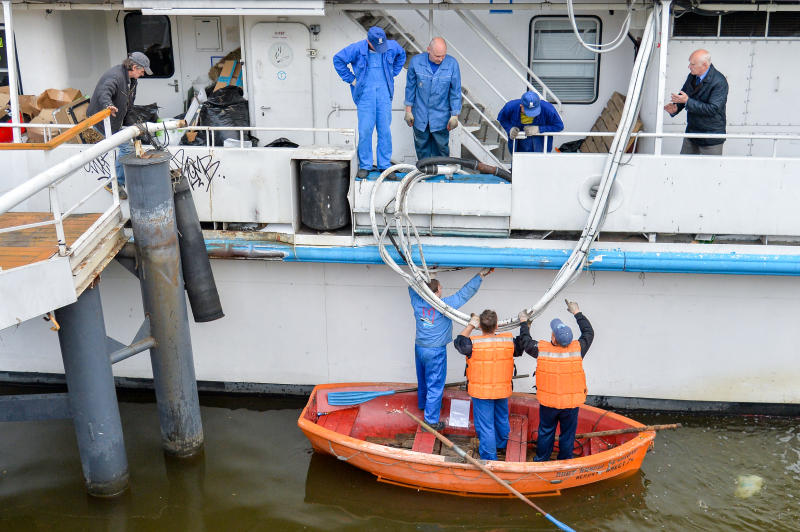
676, 318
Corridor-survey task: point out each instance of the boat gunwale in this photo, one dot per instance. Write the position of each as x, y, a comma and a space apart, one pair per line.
643, 439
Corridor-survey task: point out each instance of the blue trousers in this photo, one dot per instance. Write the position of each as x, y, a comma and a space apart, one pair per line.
491, 424
124, 149
567, 419
374, 110
431, 374
431, 143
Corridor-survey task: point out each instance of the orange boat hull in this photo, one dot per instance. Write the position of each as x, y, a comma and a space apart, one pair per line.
344, 438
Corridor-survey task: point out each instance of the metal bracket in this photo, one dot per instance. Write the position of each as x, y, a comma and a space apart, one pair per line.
311, 52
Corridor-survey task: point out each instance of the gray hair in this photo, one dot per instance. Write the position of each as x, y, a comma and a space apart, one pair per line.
129, 63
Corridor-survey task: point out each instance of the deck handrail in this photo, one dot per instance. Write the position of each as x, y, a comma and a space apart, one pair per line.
58, 140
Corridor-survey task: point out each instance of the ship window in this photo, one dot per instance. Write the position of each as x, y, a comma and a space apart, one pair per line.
567, 68
743, 24
784, 24
3, 57
152, 35
694, 25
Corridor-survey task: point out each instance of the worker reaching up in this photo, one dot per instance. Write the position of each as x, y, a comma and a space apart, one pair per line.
375, 62
490, 367
533, 116
560, 383
434, 332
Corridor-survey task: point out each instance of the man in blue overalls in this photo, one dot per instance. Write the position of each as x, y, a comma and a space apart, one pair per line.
434, 332
533, 115
375, 62
433, 99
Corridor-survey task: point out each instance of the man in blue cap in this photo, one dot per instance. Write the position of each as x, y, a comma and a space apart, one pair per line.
434, 332
560, 383
532, 115
370, 66
433, 99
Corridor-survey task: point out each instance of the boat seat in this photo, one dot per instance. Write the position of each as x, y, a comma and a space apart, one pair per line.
517, 448
341, 421
423, 441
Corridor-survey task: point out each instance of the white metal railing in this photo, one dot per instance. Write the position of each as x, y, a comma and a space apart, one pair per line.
210, 143
50, 178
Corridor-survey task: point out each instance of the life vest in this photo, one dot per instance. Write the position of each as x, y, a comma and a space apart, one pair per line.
491, 366
560, 380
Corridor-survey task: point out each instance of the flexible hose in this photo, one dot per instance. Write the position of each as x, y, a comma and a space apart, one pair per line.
429, 164
417, 277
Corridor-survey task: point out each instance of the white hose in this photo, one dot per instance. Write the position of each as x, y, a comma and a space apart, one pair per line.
417, 277
601, 48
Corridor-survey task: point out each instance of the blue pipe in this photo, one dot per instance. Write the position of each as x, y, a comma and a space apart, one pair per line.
540, 259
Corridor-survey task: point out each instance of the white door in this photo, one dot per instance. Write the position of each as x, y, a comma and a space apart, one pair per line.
281, 80
158, 36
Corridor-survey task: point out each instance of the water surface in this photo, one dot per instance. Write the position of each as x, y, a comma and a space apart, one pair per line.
258, 473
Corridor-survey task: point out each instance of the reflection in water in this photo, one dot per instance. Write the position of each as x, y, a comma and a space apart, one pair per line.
258, 473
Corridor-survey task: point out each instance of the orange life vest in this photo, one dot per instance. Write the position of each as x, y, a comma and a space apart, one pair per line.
491, 366
560, 380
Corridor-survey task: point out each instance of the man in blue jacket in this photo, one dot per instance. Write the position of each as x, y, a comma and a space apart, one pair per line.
370, 66
704, 96
434, 332
533, 116
433, 99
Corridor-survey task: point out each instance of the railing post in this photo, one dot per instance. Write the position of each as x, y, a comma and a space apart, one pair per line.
112, 166
92, 397
662, 75
55, 207
153, 218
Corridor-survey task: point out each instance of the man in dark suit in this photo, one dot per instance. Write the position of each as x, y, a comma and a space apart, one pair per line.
704, 95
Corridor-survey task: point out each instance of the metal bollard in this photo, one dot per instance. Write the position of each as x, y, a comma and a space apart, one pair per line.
156, 239
92, 397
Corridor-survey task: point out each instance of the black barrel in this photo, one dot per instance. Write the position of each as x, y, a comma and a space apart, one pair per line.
197, 275
323, 194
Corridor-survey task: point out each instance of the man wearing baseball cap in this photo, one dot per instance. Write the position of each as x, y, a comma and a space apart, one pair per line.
369, 67
560, 382
116, 90
532, 115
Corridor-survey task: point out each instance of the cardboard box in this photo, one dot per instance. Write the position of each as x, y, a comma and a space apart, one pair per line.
54, 98
231, 74
74, 113
5, 98
45, 116
28, 106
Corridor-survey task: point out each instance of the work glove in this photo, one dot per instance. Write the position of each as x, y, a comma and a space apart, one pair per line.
486, 271
452, 123
409, 118
531, 130
512, 133
475, 321
353, 83
523, 316
572, 307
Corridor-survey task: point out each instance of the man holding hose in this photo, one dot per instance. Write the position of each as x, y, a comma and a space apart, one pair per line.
434, 332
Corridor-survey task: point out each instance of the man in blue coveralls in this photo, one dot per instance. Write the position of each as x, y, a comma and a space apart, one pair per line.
375, 62
532, 115
434, 332
433, 99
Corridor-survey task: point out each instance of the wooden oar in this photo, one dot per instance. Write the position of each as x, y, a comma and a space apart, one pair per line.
358, 397
460, 452
626, 431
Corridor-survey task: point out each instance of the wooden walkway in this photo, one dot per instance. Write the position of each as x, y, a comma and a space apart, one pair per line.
18, 248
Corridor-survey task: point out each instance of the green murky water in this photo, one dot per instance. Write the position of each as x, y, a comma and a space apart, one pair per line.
258, 473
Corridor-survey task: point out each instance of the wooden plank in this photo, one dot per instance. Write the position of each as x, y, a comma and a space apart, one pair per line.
423, 441
26, 246
516, 450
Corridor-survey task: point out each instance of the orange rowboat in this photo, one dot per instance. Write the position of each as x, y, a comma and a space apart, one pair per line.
376, 435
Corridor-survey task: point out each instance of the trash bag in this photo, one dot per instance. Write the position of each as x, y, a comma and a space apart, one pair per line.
281, 142
225, 108
572, 146
145, 113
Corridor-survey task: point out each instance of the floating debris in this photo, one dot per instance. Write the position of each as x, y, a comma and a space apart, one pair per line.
748, 485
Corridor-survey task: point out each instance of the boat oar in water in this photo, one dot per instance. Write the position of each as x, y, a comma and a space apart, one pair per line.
626, 431
358, 397
460, 452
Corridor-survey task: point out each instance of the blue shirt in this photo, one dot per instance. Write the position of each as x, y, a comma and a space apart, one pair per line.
433, 96
434, 329
355, 56
434, 66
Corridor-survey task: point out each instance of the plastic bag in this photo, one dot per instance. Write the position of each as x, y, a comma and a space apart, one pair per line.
225, 108
144, 113
281, 142
572, 146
